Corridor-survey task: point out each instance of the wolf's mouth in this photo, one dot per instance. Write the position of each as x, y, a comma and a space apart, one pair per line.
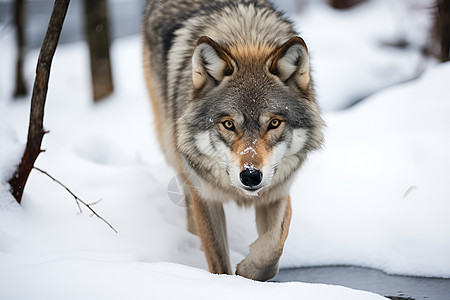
252, 189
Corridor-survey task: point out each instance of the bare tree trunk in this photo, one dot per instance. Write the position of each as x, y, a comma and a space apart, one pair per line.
444, 28
343, 4
36, 129
20, 89
97, 30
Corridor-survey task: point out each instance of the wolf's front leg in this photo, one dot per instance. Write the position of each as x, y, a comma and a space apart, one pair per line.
210, 223
272, 222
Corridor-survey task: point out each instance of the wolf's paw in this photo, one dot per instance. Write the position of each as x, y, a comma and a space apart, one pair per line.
248, 269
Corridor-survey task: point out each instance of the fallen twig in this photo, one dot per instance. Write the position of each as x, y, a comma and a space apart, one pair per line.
77, 199
409, 190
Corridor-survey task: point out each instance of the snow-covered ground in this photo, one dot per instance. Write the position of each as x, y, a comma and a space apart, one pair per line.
348, 47
377, 195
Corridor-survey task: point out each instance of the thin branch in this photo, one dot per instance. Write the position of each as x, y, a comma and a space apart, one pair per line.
67, 189
96, 202
409, 190
77, 199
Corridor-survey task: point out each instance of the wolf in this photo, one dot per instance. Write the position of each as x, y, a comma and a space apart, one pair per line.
235, 110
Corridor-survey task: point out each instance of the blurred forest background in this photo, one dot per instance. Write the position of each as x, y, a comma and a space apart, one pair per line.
123, 17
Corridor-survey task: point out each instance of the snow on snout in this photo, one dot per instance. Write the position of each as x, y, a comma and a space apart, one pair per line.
247, 150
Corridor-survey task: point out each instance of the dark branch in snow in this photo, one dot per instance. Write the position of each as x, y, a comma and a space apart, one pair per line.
77, 199
36, 129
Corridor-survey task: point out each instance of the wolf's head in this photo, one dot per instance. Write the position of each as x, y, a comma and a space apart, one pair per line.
252, 116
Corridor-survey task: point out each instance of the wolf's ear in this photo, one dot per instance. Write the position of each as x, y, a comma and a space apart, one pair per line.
210, 63
291, 60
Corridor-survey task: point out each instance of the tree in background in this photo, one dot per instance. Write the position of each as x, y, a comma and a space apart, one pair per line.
20, 87
97, 31
443, 29
343, 4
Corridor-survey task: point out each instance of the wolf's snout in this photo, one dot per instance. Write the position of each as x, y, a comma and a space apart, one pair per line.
251, 177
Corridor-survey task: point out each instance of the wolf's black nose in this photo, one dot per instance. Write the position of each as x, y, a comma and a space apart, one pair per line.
251, 177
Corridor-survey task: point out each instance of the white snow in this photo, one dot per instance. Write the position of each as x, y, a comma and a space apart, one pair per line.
348, 59
352, 197
377, 195
75, 277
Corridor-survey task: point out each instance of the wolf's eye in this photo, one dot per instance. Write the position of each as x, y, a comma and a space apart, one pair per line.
229, 125
275, 123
